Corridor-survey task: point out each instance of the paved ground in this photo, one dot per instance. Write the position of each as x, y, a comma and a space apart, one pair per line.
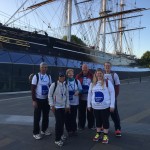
134, 106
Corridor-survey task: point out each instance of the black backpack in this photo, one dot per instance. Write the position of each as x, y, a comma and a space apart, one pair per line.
37, 76
31, 77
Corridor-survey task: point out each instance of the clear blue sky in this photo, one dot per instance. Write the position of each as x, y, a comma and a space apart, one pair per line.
141, 41
144, 44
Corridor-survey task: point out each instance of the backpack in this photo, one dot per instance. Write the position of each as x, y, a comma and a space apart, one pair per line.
37, 76
31, 77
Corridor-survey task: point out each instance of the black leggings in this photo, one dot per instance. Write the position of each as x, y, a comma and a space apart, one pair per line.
82, 113
59, 126
43, 108
115, 117
102, 118
70, 119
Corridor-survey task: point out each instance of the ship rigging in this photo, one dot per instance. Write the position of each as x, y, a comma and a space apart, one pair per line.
101, 24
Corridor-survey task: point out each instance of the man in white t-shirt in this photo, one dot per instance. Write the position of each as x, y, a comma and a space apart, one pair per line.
85, 77
114, 78
40, 87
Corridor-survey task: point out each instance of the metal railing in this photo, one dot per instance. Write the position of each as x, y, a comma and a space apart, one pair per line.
136, 80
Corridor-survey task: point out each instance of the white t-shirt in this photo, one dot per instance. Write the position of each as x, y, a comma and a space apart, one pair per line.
85, 87
110, 78
42, 86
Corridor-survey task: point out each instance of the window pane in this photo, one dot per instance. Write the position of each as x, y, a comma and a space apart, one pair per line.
4, 57
20, 58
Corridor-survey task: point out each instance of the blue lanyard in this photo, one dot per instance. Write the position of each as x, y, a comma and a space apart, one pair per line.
62, 91
42, 77
73, 89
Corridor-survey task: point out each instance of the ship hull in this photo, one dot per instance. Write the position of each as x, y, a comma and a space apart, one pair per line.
21, 52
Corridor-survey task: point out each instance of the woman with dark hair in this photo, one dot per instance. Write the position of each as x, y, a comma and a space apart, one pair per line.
101, 97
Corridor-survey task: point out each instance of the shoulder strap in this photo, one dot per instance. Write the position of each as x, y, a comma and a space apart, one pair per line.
112, 74
37, 77
106, 82
50, 79
76, 81
54, 88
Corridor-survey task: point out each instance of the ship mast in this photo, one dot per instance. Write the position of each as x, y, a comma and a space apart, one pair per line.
105, 18
69, 18
121, 28
103, 26
104, 22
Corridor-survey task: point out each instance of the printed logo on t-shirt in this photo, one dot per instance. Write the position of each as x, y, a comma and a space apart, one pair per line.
85, 85
44, 90
99, 97
85, 89
71, 93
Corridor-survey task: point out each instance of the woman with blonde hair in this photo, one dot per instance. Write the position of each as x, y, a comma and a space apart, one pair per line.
101, 97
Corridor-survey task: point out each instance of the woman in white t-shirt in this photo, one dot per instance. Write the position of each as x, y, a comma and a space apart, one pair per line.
101, 97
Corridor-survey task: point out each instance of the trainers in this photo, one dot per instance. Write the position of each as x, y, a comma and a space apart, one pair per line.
59, 143
92, 128
63, 137
37, 136
102, 130
47, 132
97, 137
118, 133
80, 129
105, 139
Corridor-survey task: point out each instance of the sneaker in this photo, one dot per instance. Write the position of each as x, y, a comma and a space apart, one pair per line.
93, 128
118, 133
59, 143
102, 130
63, 137
80, 129
47, 132
105, 139
37, 136
97, 137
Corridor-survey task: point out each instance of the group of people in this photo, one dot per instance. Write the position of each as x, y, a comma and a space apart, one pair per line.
88, 96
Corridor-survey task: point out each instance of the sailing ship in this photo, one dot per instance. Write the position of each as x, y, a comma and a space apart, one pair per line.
99, 23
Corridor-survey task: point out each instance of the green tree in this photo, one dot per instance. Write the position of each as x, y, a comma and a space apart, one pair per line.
75, 39
145, 59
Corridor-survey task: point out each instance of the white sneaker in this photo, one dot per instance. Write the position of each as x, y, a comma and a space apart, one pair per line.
63, 137
37, 136
59, 143
47, 132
